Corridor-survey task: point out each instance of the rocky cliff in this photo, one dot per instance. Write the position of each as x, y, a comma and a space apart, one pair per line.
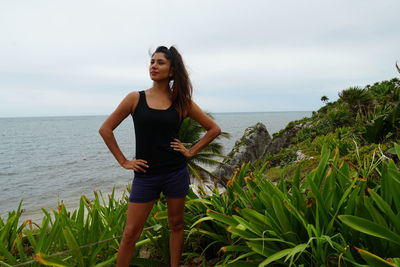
251, 146
255, 143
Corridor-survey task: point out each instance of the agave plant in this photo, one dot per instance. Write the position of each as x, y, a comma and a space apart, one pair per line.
87, 236
328, 218
190, 133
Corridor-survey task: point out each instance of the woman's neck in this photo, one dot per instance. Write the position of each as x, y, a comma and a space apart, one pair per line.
161, 86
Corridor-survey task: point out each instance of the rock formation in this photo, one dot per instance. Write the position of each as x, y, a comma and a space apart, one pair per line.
251, 146
284, 139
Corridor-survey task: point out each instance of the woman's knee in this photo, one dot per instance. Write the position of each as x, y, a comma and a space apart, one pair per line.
176, 224
131, 233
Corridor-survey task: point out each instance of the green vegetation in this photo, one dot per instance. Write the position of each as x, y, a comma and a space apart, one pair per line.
330, 216
190, 133
339, 206
368, 116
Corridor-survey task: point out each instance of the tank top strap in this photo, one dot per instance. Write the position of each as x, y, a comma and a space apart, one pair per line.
141, 103
142, 99
142, 96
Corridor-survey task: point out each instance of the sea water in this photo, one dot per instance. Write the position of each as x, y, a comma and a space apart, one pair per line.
45, 160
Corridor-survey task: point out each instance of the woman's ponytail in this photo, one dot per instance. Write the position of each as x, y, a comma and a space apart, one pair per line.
181, 88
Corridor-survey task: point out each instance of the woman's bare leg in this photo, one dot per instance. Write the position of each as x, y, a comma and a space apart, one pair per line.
176, 224
135, 221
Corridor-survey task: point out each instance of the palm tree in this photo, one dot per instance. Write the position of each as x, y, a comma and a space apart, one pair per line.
324, 99
190, 133
358, 99
397, 67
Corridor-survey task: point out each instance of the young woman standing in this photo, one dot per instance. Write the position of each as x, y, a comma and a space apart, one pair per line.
161, 159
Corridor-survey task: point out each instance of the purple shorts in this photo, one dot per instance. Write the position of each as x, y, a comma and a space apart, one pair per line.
146, 187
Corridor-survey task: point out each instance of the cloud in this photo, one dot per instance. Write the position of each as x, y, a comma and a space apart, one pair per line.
276, 55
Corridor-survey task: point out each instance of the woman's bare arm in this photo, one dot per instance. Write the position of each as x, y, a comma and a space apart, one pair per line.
126, 107
207, 123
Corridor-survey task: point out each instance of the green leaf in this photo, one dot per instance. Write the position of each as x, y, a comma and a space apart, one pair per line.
240, 232
385, 208
369, 228
320, 172
7, 254
320, 203
254, 215
281, 215
260, 248
73, 245
283, 253
250, 226
222, 218
213, 235
374, 260
50, 261
395, 150
235, 248
3, 264
106, 262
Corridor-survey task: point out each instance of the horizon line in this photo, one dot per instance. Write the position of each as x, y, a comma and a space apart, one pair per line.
96, 115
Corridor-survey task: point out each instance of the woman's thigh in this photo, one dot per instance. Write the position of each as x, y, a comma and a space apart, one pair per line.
176, 208
137, 215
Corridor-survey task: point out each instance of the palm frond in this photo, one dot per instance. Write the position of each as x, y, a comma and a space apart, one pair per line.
201, 173
193, 172
206, 161
224, 135
190, 133
214, 147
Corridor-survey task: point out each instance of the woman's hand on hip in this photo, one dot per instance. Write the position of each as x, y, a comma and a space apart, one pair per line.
177, 145
138, 165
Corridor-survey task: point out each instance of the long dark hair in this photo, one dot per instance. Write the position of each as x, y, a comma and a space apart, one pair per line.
181, 88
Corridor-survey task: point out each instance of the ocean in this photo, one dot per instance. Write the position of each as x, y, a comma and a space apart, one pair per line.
44, 160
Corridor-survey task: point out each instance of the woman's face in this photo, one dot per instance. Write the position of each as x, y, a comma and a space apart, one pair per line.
160, 67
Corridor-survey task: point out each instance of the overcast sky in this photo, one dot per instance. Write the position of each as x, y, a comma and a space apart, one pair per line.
82, 57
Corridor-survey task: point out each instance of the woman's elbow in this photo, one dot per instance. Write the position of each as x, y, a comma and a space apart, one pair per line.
217, 130
103, 131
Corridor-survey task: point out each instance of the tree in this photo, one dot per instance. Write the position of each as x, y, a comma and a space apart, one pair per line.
359, 100
190, 133
324, 99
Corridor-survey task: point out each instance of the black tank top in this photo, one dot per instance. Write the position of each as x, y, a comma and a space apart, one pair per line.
154, 130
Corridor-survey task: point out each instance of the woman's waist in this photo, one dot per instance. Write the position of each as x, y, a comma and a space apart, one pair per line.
164, 166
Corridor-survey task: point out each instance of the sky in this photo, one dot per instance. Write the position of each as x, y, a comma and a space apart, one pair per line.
61, 58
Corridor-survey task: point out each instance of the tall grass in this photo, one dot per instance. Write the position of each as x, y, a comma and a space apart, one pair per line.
89, 236
329, 217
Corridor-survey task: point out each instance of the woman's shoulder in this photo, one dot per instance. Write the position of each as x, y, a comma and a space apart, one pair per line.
134, 95
133, 98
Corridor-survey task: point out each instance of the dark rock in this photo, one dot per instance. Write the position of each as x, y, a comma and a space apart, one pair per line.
284, 139
251, 146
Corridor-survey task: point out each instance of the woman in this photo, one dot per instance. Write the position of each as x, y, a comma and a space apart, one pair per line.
161, 159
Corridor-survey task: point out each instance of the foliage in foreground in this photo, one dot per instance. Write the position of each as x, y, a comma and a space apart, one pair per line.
329, 217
